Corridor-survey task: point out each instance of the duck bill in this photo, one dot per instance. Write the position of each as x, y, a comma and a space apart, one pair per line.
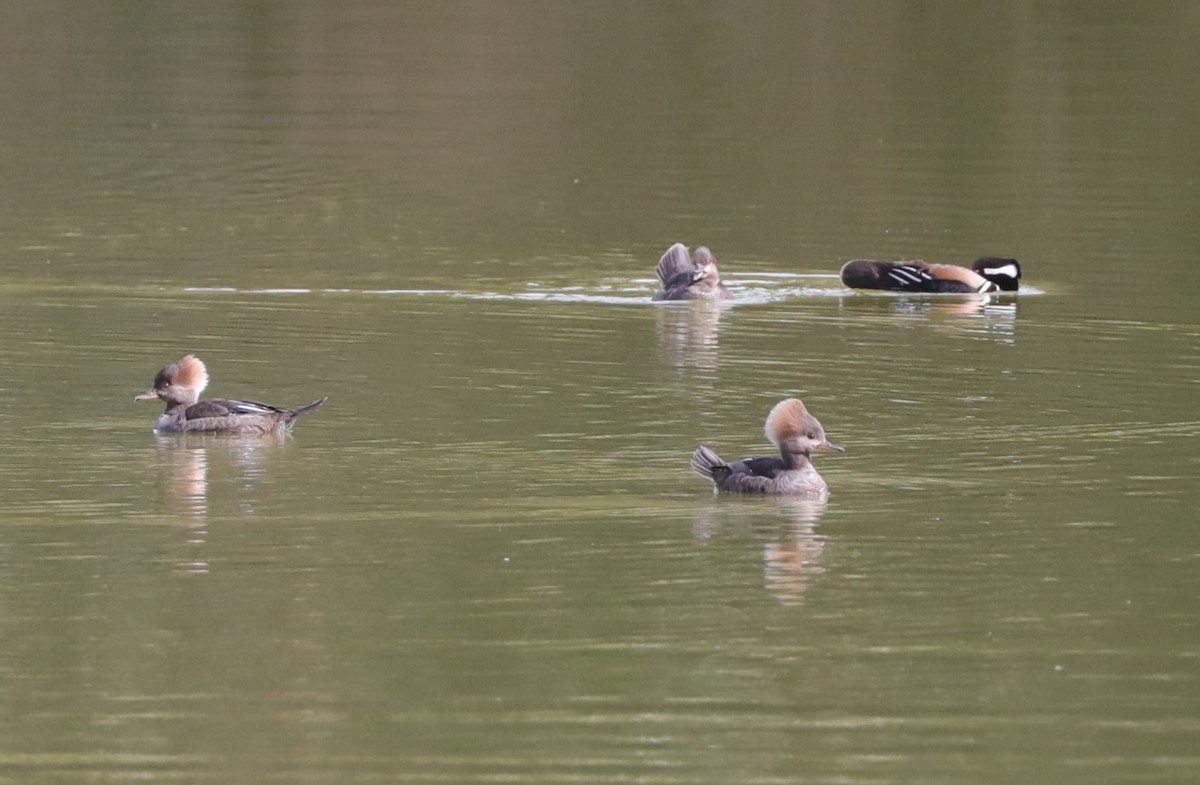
828, 445
149, 395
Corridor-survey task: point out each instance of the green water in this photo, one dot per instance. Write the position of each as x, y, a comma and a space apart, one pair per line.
486, 559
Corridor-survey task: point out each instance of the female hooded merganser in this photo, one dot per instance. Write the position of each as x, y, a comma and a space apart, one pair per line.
987, 274
796, 433
685, 277
180, 385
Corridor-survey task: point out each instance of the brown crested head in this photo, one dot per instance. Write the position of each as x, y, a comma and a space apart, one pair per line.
180, 382
188, 372
792, 429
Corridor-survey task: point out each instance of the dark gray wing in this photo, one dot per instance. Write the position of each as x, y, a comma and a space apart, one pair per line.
675, 262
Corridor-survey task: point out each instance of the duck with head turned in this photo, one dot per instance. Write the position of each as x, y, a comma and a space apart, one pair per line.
987, 274
687, 276
796, 433
179, 385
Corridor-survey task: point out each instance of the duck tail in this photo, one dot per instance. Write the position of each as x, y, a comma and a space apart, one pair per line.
307, 408
705, 461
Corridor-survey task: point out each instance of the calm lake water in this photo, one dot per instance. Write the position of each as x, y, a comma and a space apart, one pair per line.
486, 559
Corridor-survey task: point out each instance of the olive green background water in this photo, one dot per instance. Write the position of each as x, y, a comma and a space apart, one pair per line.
485, 559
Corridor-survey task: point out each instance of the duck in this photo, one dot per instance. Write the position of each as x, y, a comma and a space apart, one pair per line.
689, 275
179, 385
796, 434
986, 274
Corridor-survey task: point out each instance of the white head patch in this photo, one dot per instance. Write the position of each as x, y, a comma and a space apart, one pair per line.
1008, 269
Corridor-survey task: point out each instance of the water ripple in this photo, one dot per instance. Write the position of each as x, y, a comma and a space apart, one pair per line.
750, 288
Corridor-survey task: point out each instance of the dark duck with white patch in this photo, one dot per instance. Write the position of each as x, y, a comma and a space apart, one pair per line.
987, 274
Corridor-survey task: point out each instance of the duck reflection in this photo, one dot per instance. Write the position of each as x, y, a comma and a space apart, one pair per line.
991, 315
183, 463
791, 559
687, 334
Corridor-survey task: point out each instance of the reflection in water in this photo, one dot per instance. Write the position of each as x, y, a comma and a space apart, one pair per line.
183, 462
990, 315
792, 558
687, 334
790, 562
184, 469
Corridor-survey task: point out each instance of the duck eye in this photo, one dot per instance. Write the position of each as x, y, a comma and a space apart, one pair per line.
812, 435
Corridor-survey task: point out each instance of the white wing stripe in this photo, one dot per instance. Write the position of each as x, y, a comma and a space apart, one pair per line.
907, 275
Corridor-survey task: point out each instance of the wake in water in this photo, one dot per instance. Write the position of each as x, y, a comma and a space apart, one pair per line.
746, 288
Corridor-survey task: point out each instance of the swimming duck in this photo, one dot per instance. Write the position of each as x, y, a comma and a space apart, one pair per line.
689, 277
987, 274
180, 384
796, 433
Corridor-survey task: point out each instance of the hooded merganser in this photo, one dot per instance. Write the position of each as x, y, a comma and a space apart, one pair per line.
796, 433
180, 385
987, 274
685, 277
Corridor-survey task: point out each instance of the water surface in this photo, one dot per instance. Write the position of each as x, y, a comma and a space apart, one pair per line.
485, 559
